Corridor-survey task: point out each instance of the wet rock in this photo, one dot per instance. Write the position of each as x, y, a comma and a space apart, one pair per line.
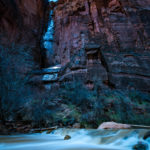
140, 146
67, 137
147, 135
49, 131
113, 125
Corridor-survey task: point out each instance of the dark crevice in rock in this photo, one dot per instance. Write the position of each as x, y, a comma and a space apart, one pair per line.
90, 13
104, 63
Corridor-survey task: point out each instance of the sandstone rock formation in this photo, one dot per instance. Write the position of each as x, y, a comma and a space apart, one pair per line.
108, 38
107, 41
113, 125
23, 22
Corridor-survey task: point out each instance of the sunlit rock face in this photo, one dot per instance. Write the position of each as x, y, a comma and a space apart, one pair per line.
23, 22
120, 28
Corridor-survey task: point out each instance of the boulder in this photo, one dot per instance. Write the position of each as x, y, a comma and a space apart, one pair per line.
67, 137
113, 125
140, 146
147, 135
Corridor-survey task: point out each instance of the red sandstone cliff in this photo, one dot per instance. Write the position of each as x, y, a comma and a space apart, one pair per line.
123, 24
99, 40
22, 22
114, 36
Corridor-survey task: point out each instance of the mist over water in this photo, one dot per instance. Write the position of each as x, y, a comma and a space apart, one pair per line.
81, 139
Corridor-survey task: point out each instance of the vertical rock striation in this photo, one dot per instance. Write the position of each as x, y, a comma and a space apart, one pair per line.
121, 30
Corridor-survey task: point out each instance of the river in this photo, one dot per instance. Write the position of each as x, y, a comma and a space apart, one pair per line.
81, 139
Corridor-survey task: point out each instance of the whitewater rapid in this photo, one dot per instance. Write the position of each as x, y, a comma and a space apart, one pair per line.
81, 139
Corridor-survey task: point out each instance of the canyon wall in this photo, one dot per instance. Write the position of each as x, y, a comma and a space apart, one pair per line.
23, 22
105, 40
121, 24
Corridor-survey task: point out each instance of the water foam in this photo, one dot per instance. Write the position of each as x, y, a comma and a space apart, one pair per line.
81, 139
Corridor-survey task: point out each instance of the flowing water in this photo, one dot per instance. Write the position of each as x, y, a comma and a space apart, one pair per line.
81, 139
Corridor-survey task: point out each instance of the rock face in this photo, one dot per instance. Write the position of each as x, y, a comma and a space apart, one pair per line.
147, 135
114, 36
22, 21
113, 125
96, 40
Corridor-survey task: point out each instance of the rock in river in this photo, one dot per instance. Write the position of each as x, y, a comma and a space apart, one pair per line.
140, 146
67, 137
113, 125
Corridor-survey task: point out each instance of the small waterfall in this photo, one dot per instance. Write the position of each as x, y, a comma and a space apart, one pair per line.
48, 37
50, 73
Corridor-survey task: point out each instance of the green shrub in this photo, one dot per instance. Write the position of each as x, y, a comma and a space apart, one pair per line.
109, 105
15, 63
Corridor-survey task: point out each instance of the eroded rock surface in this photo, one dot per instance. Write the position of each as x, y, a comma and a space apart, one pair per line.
23, 22
120, 33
